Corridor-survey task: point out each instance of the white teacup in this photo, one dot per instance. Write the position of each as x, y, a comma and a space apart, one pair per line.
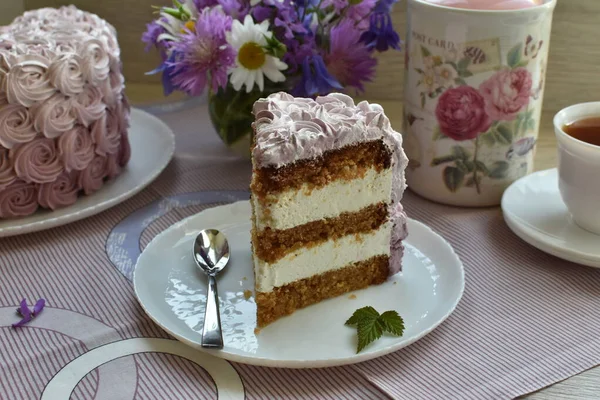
579, 168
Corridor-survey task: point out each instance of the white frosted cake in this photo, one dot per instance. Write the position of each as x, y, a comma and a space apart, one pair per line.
328, 177
63, 114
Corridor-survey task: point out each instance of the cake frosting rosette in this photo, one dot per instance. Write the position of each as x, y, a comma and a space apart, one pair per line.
64, 116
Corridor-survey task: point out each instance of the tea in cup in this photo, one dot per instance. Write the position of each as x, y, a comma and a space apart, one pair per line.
577, 131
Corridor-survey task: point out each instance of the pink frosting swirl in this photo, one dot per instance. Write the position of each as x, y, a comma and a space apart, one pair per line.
89, 106
96, 62
16, 125
76, 148
106, 134
125, 150
113, 169
91, 179
7, 173
66, 75
37, 161
60, 193
18, 200
55, 116
27, 81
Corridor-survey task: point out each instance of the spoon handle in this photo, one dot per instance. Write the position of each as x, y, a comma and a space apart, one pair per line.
211, 331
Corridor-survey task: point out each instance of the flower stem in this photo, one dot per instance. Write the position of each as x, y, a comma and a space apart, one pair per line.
475, 170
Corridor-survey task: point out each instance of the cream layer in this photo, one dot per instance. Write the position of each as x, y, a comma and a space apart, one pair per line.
300, 206
327, 256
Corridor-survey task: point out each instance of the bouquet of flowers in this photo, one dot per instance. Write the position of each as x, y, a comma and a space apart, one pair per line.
242, 50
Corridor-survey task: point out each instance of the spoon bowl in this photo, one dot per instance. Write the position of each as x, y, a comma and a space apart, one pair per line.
211, 254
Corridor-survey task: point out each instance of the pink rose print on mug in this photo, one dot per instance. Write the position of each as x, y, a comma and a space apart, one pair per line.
494, 114
461, 113
507, 93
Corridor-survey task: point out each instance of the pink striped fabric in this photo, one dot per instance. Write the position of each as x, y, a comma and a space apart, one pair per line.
526, 320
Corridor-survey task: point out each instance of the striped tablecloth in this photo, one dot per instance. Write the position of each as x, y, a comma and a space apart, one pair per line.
526, 320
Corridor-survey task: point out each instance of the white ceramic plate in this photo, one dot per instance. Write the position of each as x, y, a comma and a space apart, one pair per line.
172, 291
534, 211
152, 147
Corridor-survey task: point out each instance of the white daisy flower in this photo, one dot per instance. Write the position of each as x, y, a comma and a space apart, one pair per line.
252, 61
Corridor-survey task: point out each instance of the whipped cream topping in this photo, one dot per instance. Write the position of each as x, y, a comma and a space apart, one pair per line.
16, 125
18, 199
7, 173
37, 161
60, 193
91, 179
76, 149
63, 113
288, 129
54, 116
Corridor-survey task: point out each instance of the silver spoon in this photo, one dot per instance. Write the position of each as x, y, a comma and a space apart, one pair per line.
211, 253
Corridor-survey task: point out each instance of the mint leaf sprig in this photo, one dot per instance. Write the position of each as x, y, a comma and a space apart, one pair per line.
371, 325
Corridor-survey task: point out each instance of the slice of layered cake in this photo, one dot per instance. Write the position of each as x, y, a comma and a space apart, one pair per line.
328, 177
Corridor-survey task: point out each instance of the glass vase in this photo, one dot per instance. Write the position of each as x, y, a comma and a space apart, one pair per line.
231, 114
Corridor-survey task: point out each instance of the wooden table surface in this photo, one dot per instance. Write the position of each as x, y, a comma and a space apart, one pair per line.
585, 386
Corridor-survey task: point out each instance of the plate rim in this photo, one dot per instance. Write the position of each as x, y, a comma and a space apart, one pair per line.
537, 238
301, 364
56, 221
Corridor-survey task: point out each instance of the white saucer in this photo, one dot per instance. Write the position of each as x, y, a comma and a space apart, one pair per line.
534, 210
152, 147
172, 291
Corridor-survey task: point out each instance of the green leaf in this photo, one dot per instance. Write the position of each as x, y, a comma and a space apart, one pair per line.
392, 323
423, 100
443, 160
453, 65
499, 170
470, 165
531, 124
482, 168
505, 134
489, 138
460, 81
523, 63
425, 52
369, 330
361, 314
453, 178
514, 56
463, 64
460, 153
464, 73
419, 70
461, 165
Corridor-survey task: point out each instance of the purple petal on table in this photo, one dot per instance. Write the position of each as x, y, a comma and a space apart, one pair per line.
39, 306
24, 311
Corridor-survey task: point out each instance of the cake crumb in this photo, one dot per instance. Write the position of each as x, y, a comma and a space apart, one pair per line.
256, 331
395, 282
247, 294
244, 279
352, 297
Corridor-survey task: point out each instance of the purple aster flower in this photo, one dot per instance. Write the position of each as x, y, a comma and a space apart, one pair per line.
360, 12
348, 60
168, 73
284, 15
236, 9
315, 79
26, 314
298, 51
203, 55
338, 5
202, 4
381, 34
150, 37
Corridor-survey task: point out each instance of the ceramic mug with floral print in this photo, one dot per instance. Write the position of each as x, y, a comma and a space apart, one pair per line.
473, 92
